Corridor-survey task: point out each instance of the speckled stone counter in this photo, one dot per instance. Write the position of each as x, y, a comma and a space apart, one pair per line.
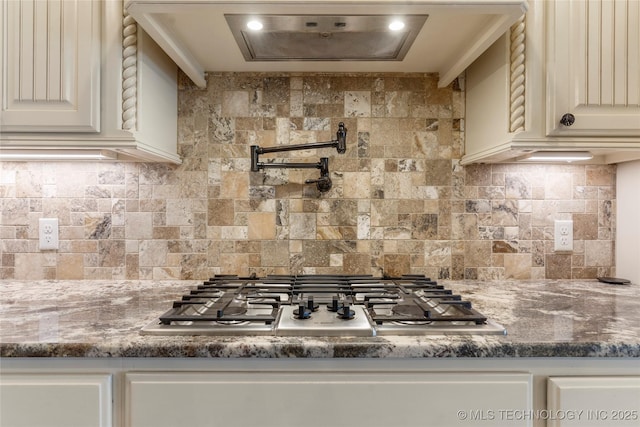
103, 319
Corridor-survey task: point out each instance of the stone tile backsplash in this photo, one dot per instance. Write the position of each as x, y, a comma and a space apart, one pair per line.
400, 203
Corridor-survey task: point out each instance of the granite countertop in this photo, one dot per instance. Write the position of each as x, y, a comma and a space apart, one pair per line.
93, 318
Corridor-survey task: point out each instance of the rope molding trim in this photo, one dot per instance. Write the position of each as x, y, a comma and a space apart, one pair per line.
517, 89
129, 72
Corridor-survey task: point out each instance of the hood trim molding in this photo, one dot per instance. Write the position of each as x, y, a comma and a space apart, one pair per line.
470, 27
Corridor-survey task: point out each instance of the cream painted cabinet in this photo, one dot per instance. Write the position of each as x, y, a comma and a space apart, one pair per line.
402, 399
593, 401
342, 391
577, 59
55, 400
80, 75
594, 67
51, 78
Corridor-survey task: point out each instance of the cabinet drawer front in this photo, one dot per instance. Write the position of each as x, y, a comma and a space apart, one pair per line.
323, 399
54, 400
594, 401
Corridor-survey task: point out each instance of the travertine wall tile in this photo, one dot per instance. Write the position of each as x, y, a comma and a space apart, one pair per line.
517, 266
261, 226
400, 203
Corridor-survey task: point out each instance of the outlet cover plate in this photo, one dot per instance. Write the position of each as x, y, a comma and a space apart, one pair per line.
563, 235
48, 233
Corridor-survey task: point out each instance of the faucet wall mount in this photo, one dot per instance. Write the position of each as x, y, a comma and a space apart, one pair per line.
323, 184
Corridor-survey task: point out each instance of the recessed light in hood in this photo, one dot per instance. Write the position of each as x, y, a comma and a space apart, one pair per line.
324, 38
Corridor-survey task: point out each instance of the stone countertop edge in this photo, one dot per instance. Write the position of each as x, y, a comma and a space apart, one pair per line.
102, 319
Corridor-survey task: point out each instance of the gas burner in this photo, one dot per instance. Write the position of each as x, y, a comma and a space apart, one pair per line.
231, 322
411, 322
410, 315
408, 310
234, 311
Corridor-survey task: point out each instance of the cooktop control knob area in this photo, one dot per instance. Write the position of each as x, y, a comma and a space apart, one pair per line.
345, 312
311, 305
333, 306
302, 312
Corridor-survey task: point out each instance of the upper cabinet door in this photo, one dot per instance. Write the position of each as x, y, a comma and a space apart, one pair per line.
50, 66
593, 67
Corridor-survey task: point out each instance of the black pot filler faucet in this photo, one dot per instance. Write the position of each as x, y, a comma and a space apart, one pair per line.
323, 183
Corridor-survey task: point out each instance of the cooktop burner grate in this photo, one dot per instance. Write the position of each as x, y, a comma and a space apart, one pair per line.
321, 305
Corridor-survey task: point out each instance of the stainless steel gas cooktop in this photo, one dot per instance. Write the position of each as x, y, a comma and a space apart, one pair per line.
321, 305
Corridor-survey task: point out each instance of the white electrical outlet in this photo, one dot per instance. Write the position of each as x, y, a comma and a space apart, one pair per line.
563, 235
48, 233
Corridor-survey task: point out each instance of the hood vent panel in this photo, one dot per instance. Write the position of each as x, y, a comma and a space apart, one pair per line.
324, 38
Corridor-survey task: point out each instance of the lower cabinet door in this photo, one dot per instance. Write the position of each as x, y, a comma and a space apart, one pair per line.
407, 399
55, 400
593, 401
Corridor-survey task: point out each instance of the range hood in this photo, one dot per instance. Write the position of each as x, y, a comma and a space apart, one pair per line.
324, 38
442, 36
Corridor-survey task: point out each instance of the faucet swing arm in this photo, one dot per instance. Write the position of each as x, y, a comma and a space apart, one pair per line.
324, 182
